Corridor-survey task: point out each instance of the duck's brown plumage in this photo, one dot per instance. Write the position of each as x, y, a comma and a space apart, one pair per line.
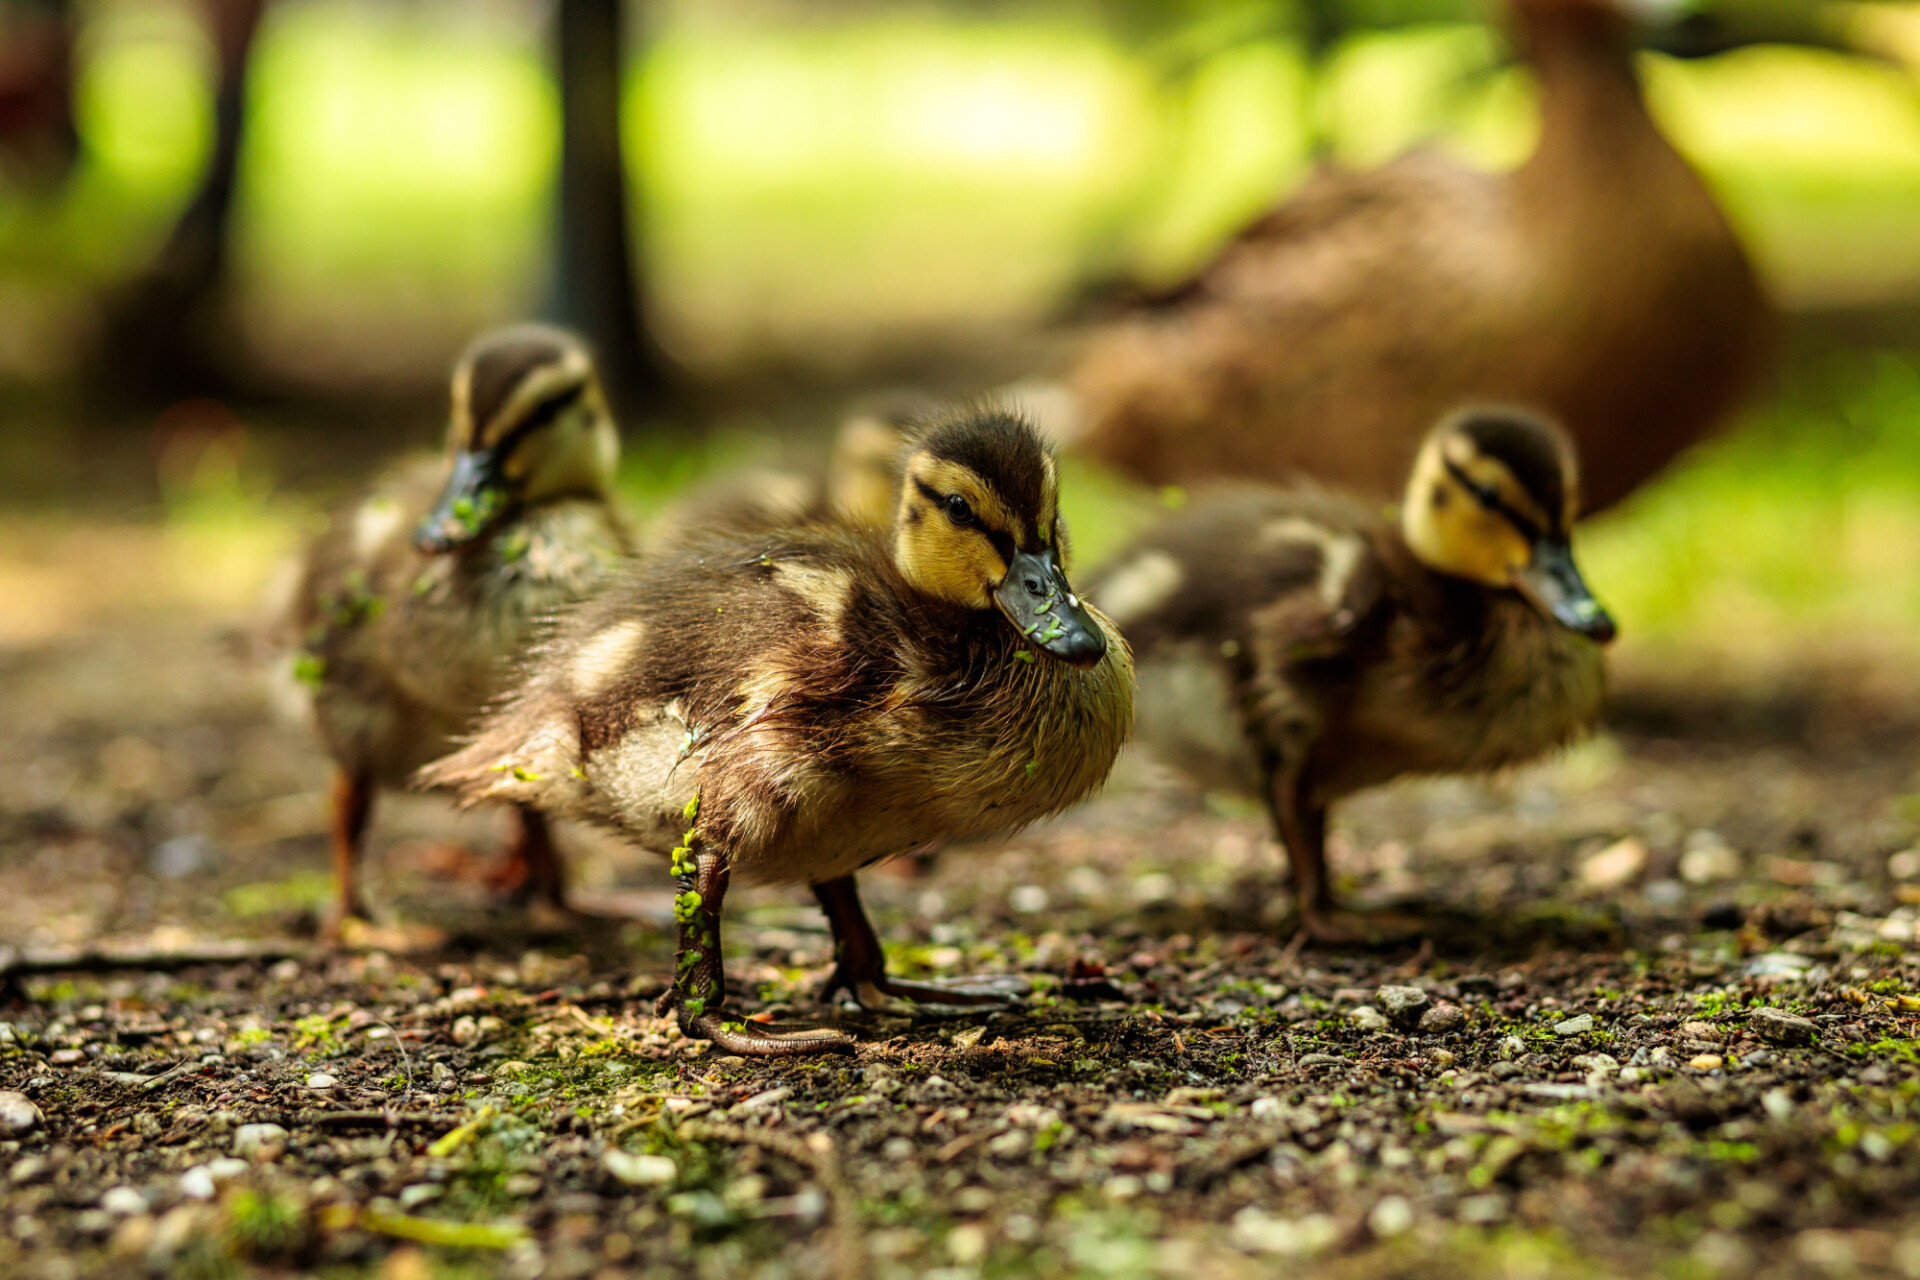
1599, 281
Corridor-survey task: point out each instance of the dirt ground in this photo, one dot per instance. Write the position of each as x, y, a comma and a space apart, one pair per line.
1579, 1076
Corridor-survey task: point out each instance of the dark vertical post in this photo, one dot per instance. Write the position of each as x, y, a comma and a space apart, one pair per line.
157, 338
596, 289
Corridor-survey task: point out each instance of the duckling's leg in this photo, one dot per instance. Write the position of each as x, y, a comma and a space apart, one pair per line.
532, 869
352, 805
1302, 827
699, 991
860, 964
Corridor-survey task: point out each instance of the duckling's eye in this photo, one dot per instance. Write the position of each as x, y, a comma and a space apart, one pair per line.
959, 511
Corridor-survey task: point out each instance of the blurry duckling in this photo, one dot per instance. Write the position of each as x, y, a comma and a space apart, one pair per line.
795, 704
857, 487
1299, 645
414, 600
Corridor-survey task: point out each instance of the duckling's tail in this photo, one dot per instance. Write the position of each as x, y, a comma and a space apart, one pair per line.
527, 751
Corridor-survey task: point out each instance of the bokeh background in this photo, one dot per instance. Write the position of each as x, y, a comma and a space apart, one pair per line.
824, 197
829, 196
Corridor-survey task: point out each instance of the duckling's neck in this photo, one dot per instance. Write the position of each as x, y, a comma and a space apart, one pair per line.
1480, 643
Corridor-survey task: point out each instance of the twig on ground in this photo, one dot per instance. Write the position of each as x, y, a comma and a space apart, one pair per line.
18, 963
383, 1119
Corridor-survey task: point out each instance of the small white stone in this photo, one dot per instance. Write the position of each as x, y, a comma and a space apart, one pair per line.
1391, 1217
251, 1140
1708, 859
1028, 899
1616, 866
18, 1115
1576, 1026
197, 1184
1368, 1018
639, 1170
412, 1197
321, 1080
124, 1202
967, 1243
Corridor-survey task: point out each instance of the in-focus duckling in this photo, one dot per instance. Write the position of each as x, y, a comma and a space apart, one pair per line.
1301, 646
794, 704
415, 599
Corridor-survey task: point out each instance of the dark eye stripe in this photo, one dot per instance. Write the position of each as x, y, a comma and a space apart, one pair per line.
1002, 542
543, 415
1490, 498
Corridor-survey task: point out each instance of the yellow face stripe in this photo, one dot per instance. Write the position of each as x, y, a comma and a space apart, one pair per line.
950, 477
540, 385
1493, 475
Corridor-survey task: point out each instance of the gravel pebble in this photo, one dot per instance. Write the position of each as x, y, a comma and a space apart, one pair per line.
1368, 1018
1576, 1026
1402, 1005
321, 1080
639, 1171
123, 1201
1442, 1018
1777, 1026
1615, 866
253, 1140
1391, 1217
18, 1115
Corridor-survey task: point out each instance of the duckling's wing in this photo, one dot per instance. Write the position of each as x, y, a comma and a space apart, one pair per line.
640, 690
1295, 573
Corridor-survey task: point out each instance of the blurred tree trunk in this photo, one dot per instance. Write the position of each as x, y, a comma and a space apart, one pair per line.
160, 334
598, 289
37, 135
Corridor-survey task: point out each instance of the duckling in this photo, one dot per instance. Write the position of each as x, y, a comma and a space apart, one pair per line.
415, 598
791, 705
856, 488
1299, 645
1599, 280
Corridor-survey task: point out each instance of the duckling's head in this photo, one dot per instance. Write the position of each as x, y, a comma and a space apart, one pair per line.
1493, 498
529, 423
978, 525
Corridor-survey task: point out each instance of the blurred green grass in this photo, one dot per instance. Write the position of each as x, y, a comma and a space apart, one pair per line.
880, 173
813, 186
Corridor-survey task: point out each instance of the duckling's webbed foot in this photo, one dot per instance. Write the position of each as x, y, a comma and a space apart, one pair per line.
698, 994
1341, 926
860, 966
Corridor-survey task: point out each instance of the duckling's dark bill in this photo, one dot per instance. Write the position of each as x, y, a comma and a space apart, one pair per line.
1038, 601
469, 503
1554, 585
